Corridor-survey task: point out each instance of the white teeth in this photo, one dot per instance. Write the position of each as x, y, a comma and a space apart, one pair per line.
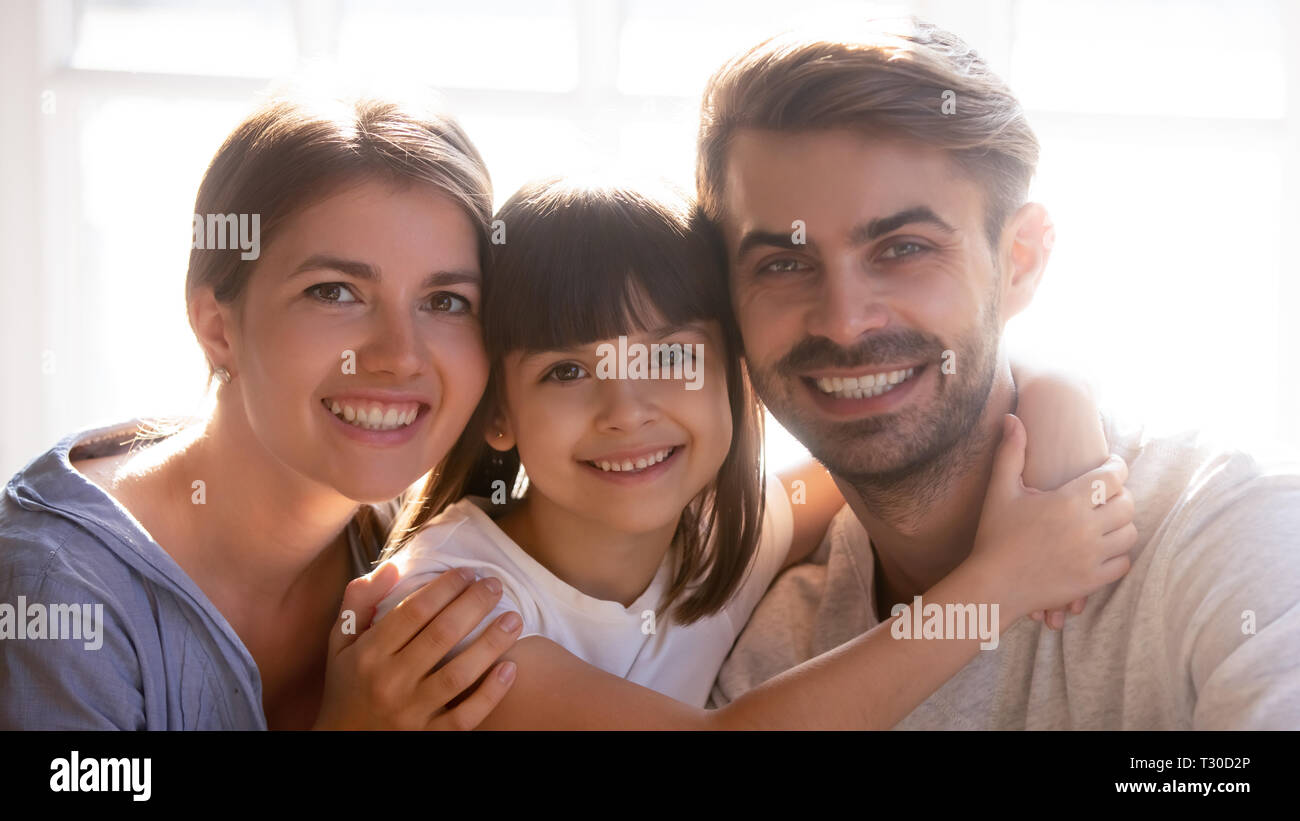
641, 462
863, 387
374, 417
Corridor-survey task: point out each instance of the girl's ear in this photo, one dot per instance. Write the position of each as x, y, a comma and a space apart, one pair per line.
498, 434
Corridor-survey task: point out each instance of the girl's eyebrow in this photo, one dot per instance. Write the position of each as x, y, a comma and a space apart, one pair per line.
662, 332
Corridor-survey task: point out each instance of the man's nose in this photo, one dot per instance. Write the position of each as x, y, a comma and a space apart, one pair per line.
392, 345
847, 305
626, 405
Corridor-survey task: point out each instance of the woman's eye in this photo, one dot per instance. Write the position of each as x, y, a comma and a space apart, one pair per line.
782, 266
335, 292
447, 302
902, 249
566, 372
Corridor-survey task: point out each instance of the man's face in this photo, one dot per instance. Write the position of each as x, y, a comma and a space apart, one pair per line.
875, 340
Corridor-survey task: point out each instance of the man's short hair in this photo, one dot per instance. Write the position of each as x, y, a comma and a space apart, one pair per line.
907, 79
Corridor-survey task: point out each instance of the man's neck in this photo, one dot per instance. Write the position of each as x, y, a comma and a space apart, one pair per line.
925, 526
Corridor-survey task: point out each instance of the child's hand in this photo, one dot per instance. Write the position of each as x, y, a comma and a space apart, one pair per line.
1049, 547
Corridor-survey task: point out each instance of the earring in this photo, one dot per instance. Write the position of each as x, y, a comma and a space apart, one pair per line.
223, 375
500, 435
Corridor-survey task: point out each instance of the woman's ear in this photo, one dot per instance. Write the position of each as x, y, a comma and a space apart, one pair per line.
213, 325
1030, 238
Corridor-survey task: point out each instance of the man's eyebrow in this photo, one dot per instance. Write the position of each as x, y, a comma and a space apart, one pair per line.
362, 270
883, 225
757, 238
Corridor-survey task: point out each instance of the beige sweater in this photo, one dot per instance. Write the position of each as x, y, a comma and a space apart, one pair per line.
1169, 646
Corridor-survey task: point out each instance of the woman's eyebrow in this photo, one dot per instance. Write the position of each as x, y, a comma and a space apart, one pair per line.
365, 271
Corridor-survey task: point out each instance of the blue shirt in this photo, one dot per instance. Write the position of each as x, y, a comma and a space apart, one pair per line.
164, 657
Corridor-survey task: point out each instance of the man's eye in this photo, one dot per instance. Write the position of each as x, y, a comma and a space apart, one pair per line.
335, 292
782, 266
566, 372
448, 302
903, 249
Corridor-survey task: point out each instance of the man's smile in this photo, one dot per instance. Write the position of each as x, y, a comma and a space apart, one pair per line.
842, 393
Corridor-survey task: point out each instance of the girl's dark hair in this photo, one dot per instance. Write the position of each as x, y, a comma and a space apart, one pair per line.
583, 263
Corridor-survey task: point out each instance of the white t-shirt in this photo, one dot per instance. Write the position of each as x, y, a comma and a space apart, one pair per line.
678, 661
1203, 632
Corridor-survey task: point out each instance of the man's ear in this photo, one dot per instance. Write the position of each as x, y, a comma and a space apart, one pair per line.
214, 326
1027, 245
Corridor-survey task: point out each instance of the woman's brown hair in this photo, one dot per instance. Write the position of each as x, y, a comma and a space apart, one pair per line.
585, 263
295, 150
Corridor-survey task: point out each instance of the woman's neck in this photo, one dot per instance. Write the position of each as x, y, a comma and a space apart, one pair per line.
254, 535
591, 556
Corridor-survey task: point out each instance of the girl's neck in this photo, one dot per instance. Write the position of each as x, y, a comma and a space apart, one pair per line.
591, 556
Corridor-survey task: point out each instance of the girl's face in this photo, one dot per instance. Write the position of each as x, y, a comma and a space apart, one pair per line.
573, 426
356, 345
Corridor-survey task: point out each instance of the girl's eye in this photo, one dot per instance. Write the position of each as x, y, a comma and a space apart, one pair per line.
566, 372
782, 266
447, 302
333, 292
903, 249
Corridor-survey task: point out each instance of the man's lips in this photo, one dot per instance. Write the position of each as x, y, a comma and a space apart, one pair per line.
845, 393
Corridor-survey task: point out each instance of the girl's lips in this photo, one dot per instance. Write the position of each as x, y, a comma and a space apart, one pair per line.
637, 477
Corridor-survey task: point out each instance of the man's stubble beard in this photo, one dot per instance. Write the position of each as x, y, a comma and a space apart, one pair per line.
901, 464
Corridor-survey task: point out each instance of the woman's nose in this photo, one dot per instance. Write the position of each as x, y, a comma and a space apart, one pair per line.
392, 346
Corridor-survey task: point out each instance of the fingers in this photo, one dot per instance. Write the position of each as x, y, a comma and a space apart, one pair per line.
1009, 462
1076, 606
414, 613
1119, 542
360, 598
486, 696
1117, 512
1112, 475
459, 674
456, 621
1112, 570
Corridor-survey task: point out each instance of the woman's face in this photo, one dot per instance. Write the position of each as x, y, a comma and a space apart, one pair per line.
357, 348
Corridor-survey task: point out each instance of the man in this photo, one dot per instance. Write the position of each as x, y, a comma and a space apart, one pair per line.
872, 198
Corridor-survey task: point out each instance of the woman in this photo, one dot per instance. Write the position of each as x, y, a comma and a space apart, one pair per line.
221, 564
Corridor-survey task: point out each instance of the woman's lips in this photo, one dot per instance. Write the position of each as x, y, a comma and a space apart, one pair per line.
398, 423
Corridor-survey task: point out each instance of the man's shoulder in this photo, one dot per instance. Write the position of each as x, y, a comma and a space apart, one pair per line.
1192, 477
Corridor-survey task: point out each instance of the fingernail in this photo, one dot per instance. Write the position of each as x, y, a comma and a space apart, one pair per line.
510, 622
467, 574
506, 672
493, 585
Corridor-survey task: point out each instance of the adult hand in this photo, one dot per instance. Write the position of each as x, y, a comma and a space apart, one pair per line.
383, 677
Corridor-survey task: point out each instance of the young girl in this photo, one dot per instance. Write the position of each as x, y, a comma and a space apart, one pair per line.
646, 537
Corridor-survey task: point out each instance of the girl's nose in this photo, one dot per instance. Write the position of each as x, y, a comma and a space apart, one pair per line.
626, 404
